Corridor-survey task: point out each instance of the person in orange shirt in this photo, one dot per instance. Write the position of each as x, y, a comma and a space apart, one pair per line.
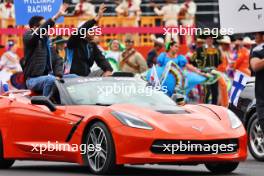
226, 66
227, 57
243, 53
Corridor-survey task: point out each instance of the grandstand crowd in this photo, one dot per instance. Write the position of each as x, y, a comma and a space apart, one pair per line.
225, 55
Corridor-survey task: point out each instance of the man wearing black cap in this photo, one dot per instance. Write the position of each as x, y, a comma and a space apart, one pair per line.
257, 65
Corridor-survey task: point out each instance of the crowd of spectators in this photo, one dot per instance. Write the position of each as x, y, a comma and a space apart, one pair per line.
7, 9
169, 8
226, 55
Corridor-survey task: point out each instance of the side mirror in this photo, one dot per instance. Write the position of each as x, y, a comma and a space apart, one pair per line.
179, 99
42, 100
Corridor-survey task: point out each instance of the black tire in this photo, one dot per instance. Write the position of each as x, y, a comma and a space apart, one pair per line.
222, 168
251, 145
4, 164
108, 146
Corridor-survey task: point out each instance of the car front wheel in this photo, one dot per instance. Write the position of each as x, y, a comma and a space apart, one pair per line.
221, 168
102, 159
255, 138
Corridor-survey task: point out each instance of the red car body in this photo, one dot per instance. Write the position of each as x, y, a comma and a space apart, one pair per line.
23, 124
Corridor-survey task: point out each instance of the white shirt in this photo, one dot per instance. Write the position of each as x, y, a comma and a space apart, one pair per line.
190, 15
87, 8
10, 62
170, 14
259, 47
7, 12
133, 11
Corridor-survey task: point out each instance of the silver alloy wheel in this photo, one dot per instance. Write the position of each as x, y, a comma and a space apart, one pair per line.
257, 139
97, 158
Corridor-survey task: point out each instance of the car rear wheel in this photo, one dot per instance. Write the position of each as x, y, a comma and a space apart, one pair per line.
101, 160
255, 138
222, 168
4, 164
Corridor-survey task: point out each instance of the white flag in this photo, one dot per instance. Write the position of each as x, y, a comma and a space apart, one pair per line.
166, 72
154, 78
239, 84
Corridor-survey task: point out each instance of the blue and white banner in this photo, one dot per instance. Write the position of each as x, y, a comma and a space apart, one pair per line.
239, 83
25, 9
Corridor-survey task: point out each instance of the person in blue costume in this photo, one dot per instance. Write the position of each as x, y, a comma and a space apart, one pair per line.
183, 71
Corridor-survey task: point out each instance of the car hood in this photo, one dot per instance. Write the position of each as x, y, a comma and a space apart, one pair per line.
185, 121
199, 121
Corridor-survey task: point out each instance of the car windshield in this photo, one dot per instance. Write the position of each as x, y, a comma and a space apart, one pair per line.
109, 92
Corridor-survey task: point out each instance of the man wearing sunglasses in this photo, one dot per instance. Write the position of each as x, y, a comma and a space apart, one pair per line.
131, 60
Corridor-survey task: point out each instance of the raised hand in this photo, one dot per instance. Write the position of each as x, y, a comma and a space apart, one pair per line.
63, 9
101, 11
61, 12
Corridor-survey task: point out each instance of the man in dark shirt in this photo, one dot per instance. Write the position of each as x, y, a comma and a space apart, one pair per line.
207, 56
40, 68
204, 57
153, 54
257, 65
84, 51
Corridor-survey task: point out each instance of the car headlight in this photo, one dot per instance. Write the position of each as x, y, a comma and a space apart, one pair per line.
131, 121
234, 120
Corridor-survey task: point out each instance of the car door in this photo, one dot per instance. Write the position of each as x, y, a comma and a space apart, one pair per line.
36, 124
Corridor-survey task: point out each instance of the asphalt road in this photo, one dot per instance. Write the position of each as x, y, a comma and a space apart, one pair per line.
33, 168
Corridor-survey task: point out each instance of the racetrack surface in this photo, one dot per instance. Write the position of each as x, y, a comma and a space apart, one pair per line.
33, 168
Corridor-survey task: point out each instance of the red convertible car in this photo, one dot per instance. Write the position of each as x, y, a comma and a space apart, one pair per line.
104, 123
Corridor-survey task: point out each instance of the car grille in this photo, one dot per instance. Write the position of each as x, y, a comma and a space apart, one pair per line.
195, 147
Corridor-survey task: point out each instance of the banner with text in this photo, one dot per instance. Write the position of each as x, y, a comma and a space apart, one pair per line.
242, 15
25, 9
